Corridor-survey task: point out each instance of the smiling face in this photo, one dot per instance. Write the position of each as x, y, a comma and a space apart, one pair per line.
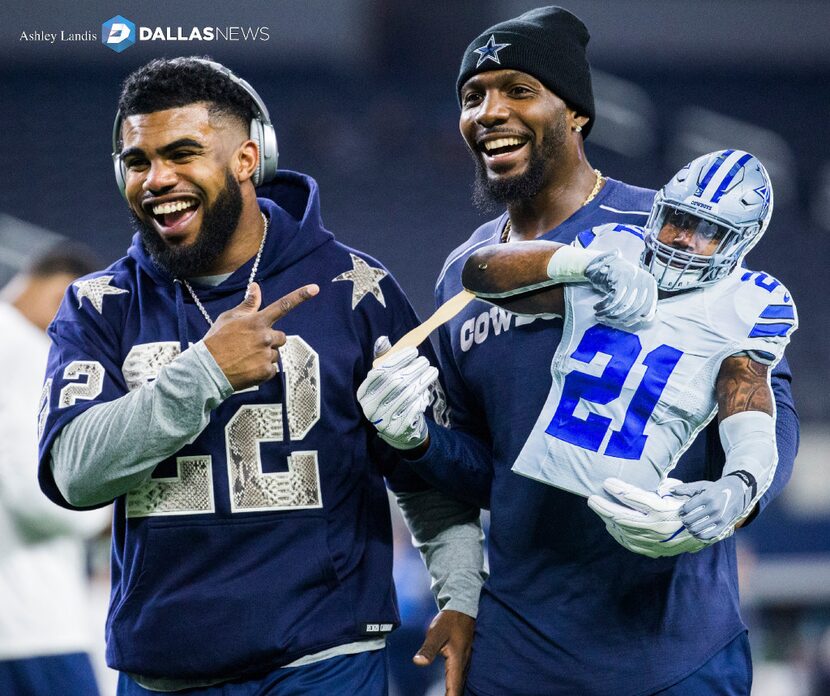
516, 130
183, 173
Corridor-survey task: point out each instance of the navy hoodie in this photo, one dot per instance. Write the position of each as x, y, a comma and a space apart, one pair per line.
288, 551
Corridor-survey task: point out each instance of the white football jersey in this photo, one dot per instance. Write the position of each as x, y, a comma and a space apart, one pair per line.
627, 404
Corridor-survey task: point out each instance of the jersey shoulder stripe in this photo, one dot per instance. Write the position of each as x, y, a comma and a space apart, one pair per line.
610, 209
585, 238
778, 311
781, 329
762, 315
767, 305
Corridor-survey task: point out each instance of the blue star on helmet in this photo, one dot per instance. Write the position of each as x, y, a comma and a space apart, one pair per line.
490, 51
762, 191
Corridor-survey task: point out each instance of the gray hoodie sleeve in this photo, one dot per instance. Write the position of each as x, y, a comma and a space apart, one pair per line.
111, 448
448, 534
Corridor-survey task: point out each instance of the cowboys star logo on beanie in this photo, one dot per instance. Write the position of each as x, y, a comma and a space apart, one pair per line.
490, 51
548, 43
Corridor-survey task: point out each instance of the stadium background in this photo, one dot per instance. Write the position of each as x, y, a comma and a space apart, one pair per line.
362, 96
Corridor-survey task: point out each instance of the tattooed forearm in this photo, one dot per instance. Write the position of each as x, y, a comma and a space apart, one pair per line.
742, 386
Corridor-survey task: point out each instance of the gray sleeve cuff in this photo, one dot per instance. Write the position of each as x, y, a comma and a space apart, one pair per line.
212, 369
448, 534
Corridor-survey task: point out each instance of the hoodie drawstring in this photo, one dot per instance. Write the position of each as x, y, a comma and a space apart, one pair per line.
184, 338
284, 386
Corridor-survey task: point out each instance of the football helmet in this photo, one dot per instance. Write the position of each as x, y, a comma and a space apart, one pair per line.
724, 196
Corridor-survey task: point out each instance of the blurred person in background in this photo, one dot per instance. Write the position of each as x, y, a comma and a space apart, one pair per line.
567, 609
45, 627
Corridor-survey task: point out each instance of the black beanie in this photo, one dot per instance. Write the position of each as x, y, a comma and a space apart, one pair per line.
548, 43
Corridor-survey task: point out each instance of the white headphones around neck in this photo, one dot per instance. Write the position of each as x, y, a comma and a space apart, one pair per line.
261, 132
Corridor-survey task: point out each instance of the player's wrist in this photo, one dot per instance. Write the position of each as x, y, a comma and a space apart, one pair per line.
747, 479
568, 264
416, 453
212, 368
408, 441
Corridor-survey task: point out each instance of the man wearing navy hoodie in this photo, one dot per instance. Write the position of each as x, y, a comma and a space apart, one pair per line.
205, 383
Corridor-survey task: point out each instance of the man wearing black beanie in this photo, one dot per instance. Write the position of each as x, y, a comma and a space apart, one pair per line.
548, 43
536, 66
567, 610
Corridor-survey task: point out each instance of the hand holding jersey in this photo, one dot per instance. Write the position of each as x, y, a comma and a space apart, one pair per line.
511, 275
715, 507
242, 341
707, 511
395, 396
645, 522
630, 292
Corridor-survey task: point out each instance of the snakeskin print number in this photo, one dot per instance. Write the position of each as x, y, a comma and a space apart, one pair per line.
251, 488
43, 406
94, 373
189, 492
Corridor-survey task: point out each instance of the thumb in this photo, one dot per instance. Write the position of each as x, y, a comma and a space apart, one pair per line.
253, 298
687, 489
427, 652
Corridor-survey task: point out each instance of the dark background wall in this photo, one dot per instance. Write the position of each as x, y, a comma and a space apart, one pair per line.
362, 96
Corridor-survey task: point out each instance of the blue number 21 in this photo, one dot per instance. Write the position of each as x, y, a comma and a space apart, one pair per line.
624, 348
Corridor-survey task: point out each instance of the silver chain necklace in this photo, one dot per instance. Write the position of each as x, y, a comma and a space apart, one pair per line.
250, 279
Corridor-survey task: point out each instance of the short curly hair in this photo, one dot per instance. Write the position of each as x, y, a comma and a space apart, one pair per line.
169, 83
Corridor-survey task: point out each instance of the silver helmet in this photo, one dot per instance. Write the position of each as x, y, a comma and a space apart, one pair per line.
725, 196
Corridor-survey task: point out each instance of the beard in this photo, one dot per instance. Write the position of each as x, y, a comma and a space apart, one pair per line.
491, 196
219, 221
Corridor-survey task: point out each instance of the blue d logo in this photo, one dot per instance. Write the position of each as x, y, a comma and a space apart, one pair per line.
118, 33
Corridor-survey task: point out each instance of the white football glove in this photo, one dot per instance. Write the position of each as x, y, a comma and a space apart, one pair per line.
630, 291
645, 522
395, 395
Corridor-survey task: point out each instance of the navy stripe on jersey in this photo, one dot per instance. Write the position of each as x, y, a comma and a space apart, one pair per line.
760, 330
778, 312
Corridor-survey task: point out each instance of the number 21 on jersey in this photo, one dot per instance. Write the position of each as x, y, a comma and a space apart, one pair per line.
623, 349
